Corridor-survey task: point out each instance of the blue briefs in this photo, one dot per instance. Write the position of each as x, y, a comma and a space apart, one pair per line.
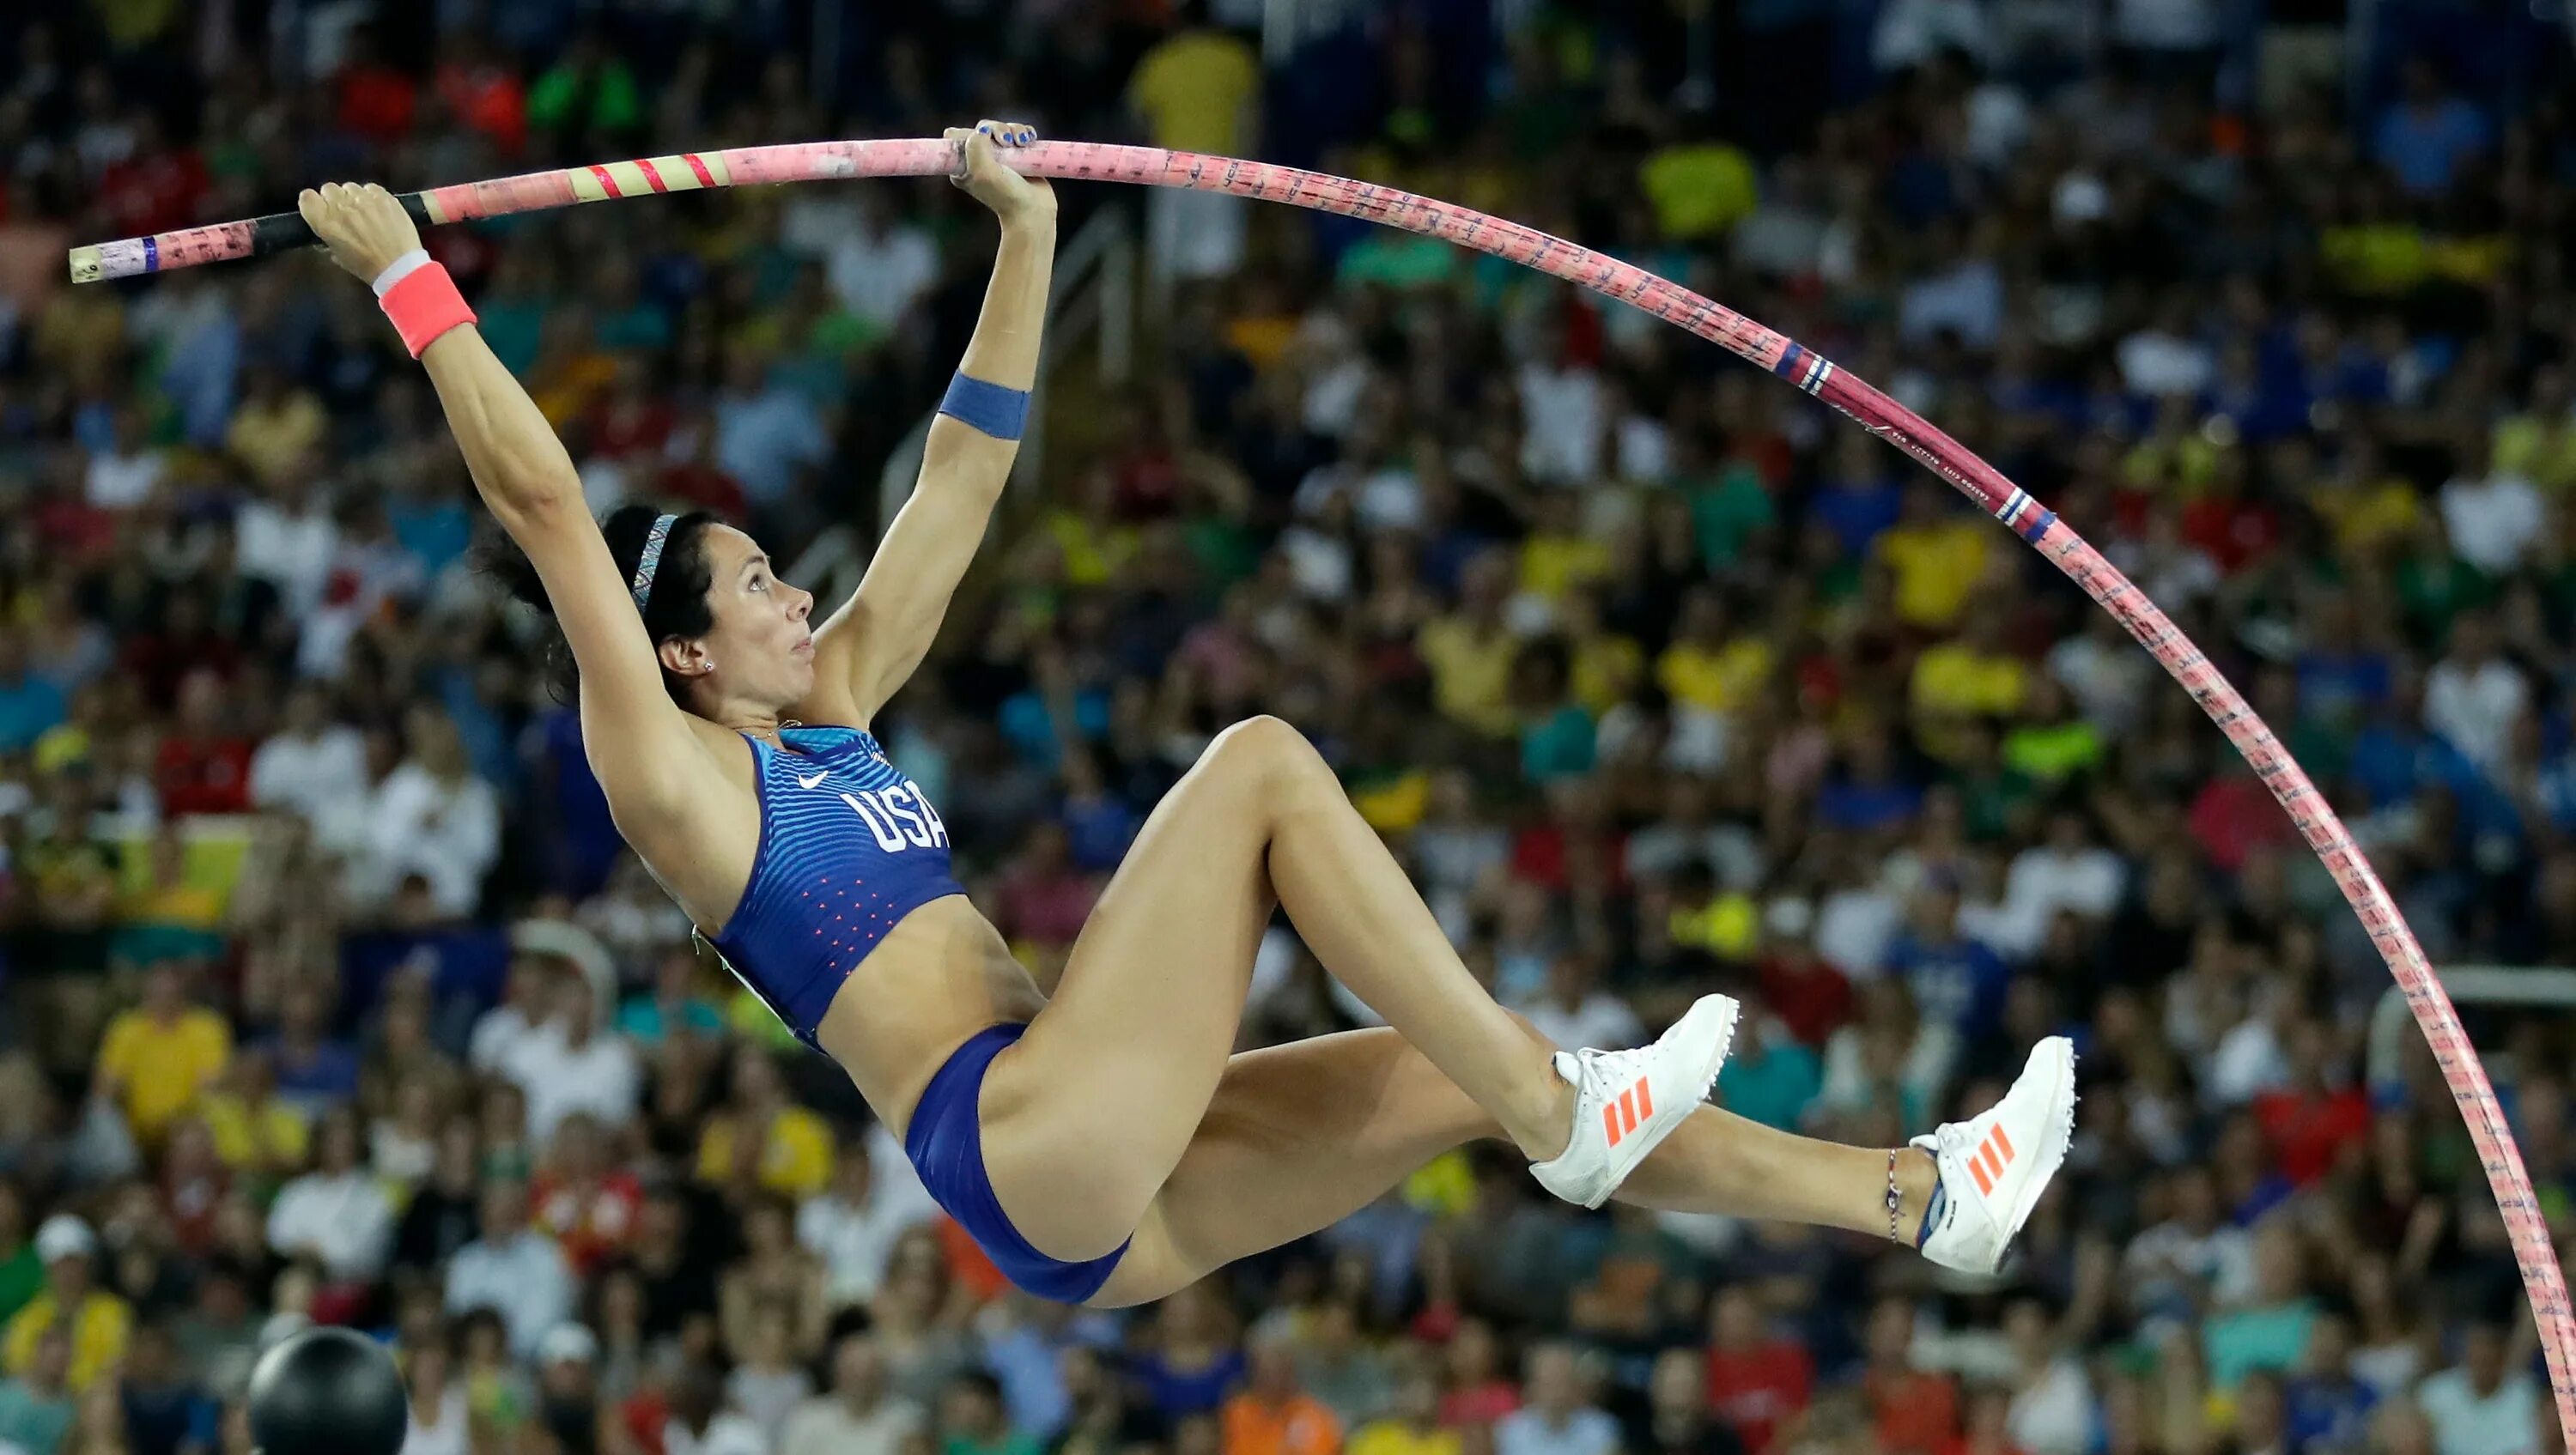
946, 1144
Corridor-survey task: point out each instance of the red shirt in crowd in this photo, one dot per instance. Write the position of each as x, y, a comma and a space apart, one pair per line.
73, 529
203, 774
1916, 1413
1482, 1404
2233, 816
191, 1203
1757, 1390
1148, 481
377, 102
467, 255
1436, 1323
1045, 905
2131, 510
968, 1263
707, 488
1810, 996
631, 423
1768, 452
645, 1414
488, 99
1586, 340
2233, 531
155, 193
1547, 854
591, 1219
2308, 1130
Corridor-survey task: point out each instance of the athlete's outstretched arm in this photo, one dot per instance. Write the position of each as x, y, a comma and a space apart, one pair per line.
871, 645
651, 762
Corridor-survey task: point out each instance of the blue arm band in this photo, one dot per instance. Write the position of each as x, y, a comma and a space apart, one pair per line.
999, 412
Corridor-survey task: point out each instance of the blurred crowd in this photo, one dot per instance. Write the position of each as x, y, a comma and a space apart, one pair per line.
332, 997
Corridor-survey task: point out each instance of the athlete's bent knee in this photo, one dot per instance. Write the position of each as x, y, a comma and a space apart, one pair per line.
1260, 738
1271, 753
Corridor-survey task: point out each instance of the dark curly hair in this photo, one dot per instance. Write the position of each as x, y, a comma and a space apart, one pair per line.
677, 606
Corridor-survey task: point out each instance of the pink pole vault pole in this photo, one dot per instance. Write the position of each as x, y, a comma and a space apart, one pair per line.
1781, 356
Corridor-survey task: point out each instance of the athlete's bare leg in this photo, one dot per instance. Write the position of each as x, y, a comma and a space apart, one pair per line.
1086, 1118
1303, 1135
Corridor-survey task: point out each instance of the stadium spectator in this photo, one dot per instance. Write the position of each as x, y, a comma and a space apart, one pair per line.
97, 1323
36, 1405
1557, 1417
511, 1269
337, 1213
700, 1425
857, 1415
972, 1420
2482, 1406
1677, 1418
1273, 1414
573, 1064
1411, 1427
1756, 1380
159, 1057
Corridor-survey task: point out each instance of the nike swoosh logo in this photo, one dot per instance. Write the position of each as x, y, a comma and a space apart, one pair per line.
804, 782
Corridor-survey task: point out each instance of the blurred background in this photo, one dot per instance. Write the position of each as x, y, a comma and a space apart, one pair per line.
330, 994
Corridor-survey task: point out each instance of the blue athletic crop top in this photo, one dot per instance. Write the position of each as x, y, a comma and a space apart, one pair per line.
848, 847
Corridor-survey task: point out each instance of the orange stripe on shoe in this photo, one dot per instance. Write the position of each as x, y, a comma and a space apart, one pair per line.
1610, 1124
1628, 1109
1985, 1184
1645, 1098
2002, 1143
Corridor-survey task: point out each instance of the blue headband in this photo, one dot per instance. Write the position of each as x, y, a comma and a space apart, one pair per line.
651, 561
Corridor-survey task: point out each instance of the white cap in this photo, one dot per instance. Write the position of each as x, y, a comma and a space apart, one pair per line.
1790, 917
567, 1344
2080, 197
277, 1328
64, 1236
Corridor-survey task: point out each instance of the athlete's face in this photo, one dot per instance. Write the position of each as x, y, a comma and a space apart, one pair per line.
761, 648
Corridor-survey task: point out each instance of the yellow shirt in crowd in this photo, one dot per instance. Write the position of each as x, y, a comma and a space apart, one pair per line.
1699, 190
269, 438
1721, 679
1093, 551
1606, 670
1394, 1437
1936, 567
2168, 463
99, 1333
2542, 451
1955, 682
1471, 674
2369, 517
795, 1161
1395, 805
1194, 88
163, 1068
1550, 564
271, 1134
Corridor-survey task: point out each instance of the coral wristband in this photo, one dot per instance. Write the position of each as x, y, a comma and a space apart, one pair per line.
423, 303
